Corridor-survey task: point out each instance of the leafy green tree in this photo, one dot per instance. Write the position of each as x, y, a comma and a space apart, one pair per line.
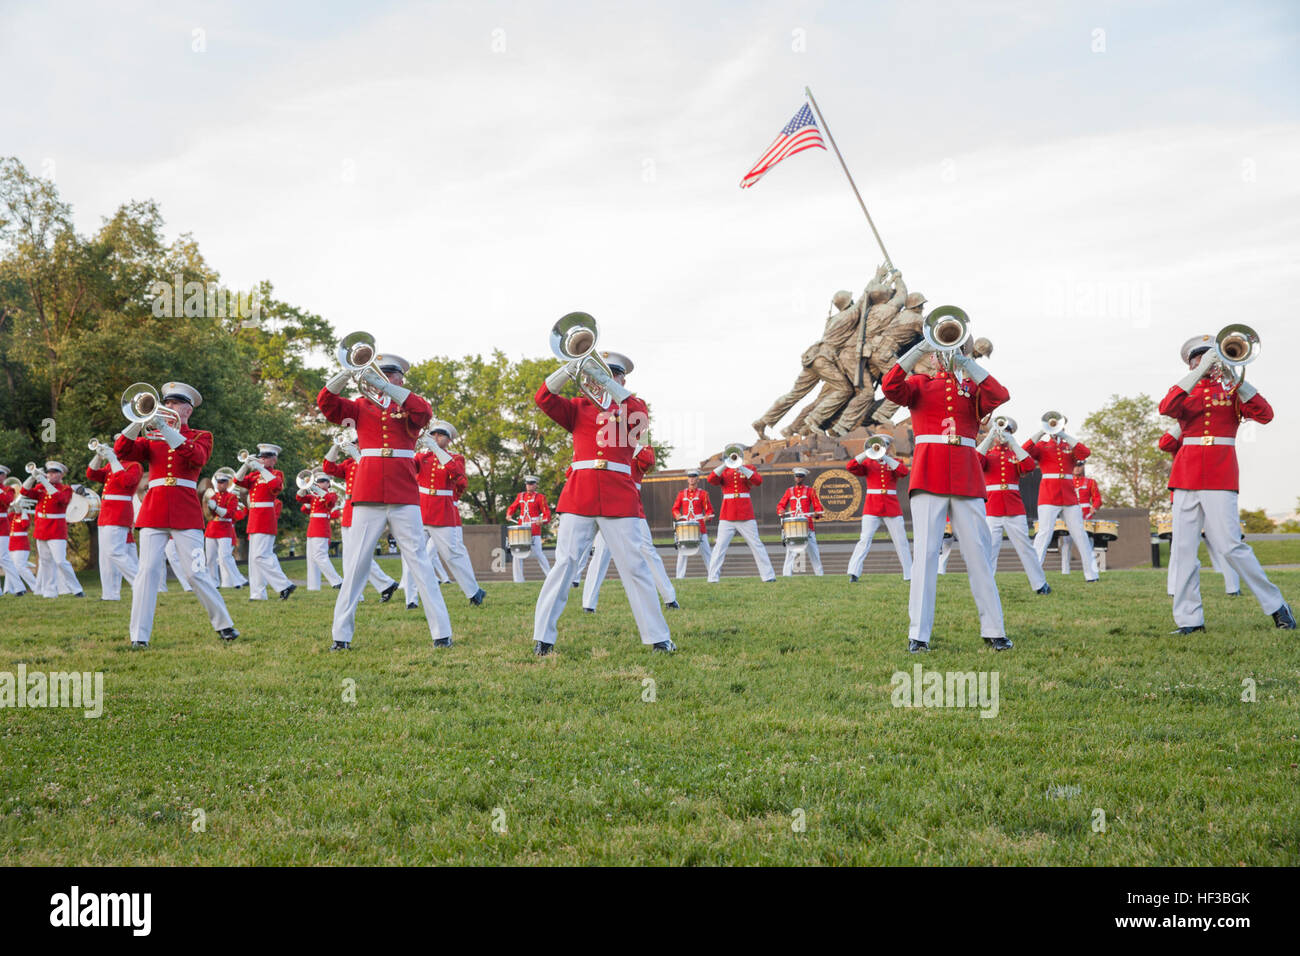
1257, 522
1122, 436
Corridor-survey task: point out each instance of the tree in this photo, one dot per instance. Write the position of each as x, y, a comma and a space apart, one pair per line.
1257, 522
1122, 436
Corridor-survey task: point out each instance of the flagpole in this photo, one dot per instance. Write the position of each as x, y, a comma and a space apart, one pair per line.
888, 261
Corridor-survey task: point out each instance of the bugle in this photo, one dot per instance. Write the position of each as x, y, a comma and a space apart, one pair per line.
1235, 347
946, 330
573, 339
141, 406
357, 353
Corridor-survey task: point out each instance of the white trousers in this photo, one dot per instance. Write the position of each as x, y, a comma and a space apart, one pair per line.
174, 559
706, 553
1216, 513
319, 563
810, 554
945, 551
54, 574
407, 582
599, 567
220, 556
377, 576
1017, 529
929, 512
20, 561
1231, 580
404, 524
749, 531
1073, 515
264, 567
897, 533
9, 567
586, 556
117, 560
517, 560
623, 538
144, 594
449, 540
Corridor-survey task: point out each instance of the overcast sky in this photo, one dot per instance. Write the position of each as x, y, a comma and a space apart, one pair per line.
1092, 182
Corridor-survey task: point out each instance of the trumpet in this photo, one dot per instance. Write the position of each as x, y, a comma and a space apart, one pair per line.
141, 406
306, 480
346, 436
573, 338
946, 330
357, 353
1054, 422
242, 456
1235, 347
31, 469
96, 446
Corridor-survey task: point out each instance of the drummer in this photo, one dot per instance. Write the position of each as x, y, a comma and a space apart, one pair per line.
1089, 501
693, 504
801, 501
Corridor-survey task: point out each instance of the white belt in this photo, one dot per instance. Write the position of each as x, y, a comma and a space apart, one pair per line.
1061, 477
261, 504
228, 520
943, 440
1208, 440
115, 498
600, 464
743, 494
1001, 487
53, 517
440, 492
882, 491
172, 483
388, 453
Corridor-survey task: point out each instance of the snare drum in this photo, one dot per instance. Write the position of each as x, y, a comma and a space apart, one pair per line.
686, 536
1164, 525
794, 532
519, 538
1103, 532
83, 505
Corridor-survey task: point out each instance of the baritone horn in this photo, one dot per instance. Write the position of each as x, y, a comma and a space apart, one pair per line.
1054, 422
733, 455
306, 480
946, 330
141, 405
357, 354
1235, 347
573, 339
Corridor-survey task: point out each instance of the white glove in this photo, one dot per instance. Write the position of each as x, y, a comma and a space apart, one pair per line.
1038, 435
171, 436
861, 458
30, 483
352, 451
441, 455
220, 511
1247, 391
45, 483
562, 376
338, 382
132, 431
97, 461
746, 471
398, 393
914, 355
261, 469
1176, 430
970, 367
111, 457
1019, 452
891, 462
986, 444
333, 453
1196, 374
243, 470
720, 469
1067, 438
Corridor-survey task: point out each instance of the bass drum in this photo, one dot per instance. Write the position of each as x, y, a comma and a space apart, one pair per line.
84, 504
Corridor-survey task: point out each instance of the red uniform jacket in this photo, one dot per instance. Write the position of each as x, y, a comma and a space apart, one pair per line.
881, 499
116, 507
347, 470
941, 405
173, 505
263, 515
1168, 443
598, 436
533, 507
440, 488
642, 463
800, 500
1088, 493
223, 526
386, 473
693, 504
51, 523
1209, 411
736, 505
18, 526
321, 510
1057, 459
1002, 481
7, 497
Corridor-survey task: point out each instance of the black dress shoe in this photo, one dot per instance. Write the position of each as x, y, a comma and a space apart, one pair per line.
541, 648
388, 592
674, 605
664, 647
238, 586
21, 594
139, 645
1283, 618
442, 642
412, 605
917, 647
590, 610
341, 646
80, 594
336, 587
1188, 630
284, 595
477, 599
577, 584
227, 633
853, 579
1045, 589
988, 641
1001, 644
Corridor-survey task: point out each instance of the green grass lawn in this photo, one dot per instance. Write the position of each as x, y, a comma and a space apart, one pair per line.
771, 737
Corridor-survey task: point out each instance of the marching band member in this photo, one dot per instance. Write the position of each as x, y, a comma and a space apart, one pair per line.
1089, 496
341, 461
880, 507
533, 509
175, 453
1204, 482
117, 559
442, 482
1004, 461
600, 495
20, 523
219, 534
54, 574
13, 581
321, 507
1170, 442
385, 490
1056, 455
737, 514
693, 502
946, 478
264, 489
802, 500
643, 460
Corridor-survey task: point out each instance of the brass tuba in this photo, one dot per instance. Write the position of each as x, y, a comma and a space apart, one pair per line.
141, 405
573, 338
946, 330
1235, 347
357, 354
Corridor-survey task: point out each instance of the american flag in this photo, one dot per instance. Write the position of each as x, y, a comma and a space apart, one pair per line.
799, 134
